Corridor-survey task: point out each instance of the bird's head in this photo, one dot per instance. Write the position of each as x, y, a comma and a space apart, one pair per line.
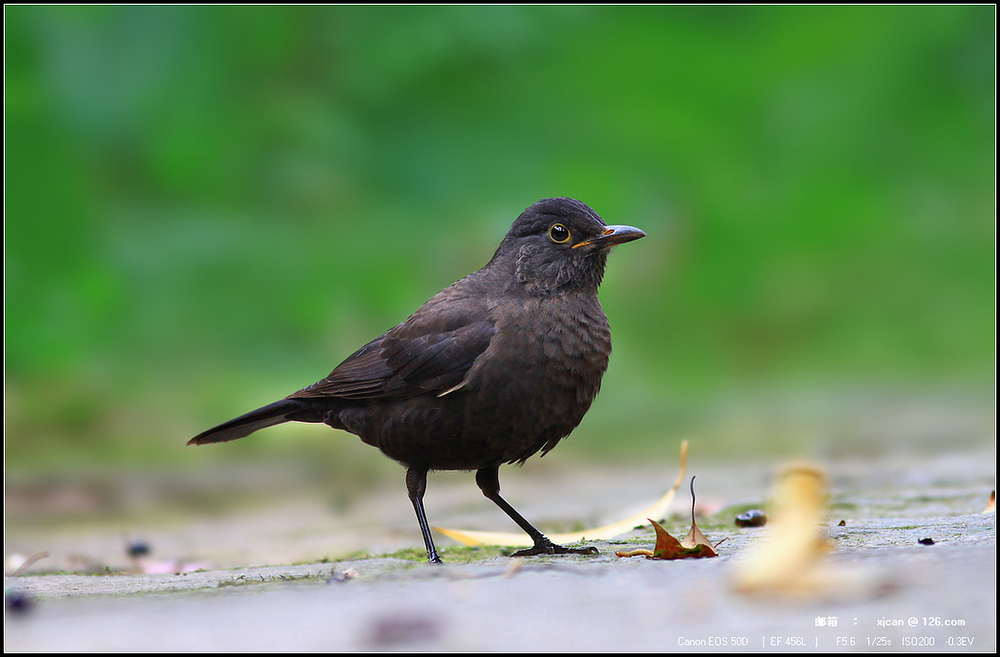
559, 244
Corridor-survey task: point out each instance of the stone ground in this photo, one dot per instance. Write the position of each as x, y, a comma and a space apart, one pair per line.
298, 574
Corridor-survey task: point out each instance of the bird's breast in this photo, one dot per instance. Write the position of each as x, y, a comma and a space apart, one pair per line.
527, 391
544, 367
557, 335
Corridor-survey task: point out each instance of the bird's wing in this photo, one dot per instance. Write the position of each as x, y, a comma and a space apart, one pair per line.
431, 351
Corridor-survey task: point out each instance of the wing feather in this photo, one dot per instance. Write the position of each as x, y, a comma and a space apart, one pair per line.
429, 352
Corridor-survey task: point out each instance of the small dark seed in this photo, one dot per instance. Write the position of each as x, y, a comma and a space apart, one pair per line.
17, 601
138, 549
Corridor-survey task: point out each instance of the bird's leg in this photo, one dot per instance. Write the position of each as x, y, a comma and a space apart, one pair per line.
489, 482
416, 484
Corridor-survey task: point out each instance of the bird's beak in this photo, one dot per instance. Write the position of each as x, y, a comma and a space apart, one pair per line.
611, 236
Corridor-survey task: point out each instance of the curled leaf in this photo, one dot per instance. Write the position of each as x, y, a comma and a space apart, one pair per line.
668, 547
693, 546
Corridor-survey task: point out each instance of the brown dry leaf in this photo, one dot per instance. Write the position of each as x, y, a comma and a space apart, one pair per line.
658, 510
668, 547
694, 536
693, 546
991, 506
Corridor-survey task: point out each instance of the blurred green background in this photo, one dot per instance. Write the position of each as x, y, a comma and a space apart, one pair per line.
208, 208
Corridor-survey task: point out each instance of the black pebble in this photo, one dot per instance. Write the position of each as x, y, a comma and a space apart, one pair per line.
753, 518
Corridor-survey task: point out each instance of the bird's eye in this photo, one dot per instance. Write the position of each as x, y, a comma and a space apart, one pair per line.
559, 233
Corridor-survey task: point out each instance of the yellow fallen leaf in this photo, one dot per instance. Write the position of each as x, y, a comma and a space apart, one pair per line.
792, 559
788, 556
658, 510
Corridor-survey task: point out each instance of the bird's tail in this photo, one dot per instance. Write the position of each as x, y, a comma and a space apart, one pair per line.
267, 416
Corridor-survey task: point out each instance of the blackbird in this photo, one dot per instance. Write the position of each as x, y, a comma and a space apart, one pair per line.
491, 370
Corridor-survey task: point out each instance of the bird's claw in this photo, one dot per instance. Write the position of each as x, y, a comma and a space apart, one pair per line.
548, 547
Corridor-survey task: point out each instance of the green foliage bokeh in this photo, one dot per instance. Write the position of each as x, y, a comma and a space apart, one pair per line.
208, 207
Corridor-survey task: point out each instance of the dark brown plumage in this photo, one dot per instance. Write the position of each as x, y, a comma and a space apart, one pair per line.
493, 369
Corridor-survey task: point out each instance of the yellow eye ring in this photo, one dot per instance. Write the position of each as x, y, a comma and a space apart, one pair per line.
559, 234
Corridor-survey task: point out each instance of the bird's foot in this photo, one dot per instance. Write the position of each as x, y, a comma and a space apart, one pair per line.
546, 546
